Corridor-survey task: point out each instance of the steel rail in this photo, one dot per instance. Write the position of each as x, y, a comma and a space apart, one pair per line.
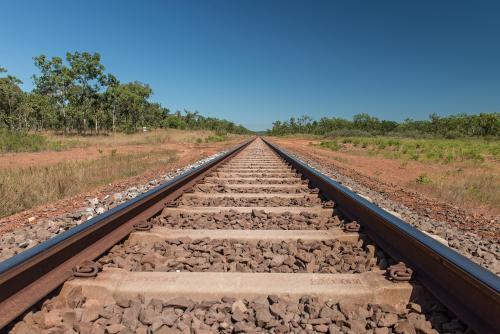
467, 289
28, 277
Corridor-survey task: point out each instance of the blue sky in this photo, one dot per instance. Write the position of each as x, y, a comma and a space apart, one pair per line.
257, 61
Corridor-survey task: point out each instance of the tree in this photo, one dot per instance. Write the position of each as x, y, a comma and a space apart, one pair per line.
88, 79
484, 124
55, 82
109, 99
132, 102
75, 93
11, 97
75, 87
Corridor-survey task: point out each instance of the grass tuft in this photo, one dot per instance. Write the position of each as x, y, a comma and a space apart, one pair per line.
472, 190
331, 145
423, 179
215, 138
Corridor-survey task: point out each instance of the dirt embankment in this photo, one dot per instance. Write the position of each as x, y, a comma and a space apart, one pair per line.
390, 178
186, 154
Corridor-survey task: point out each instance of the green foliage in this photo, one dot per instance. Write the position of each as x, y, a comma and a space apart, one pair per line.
216, 138
450, 127
332, 145
423, 179
22, 141
75, 94
434, 150
11, 97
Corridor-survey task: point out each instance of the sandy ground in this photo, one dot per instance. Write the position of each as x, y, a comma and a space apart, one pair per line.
389, 177
386, 170
183, 142
187, 153
45, 158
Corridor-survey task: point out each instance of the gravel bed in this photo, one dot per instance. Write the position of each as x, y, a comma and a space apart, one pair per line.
271, 314
232, 189
257, 181
256, 220
246, 256
245, 175
480, 250
249, 202
18, 240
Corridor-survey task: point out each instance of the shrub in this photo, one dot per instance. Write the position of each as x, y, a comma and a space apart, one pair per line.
215, 138
11, 141
331, 145
423, 179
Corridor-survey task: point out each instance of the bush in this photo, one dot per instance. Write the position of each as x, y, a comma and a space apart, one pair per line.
331, 145
423, 179
13, 141
348, 133
215, 138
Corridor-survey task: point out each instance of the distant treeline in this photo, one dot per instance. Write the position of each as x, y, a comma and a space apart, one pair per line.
460, 125
76, 95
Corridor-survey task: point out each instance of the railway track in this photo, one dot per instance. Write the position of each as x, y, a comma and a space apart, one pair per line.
254, 241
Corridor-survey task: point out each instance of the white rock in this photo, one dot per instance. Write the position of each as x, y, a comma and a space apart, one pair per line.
117, 196
437, 238
93, 201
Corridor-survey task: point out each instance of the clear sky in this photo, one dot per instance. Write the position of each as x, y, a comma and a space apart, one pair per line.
253, 62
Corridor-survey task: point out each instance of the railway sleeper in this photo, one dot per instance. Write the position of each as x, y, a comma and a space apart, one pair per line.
114, 284
316, 210
157, 234
248, 195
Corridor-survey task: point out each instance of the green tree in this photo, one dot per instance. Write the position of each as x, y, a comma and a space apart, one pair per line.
75, 93
11, 97
54, 82
87, 81
131, 100
75, 87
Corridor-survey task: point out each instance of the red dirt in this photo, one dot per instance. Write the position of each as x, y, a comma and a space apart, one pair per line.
186, 155
10, 160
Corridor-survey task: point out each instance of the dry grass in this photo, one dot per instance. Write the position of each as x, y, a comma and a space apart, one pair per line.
24, 188
467, 187
462, 172
428, 150
48, 141
153, 137
31, 179
468, 174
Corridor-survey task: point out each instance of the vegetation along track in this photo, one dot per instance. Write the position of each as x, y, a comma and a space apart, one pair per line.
253, 241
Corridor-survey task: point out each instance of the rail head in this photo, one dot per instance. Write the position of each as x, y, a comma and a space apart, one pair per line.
31, 275
467, 289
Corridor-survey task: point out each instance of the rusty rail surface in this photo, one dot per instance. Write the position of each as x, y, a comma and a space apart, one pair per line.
467, 289
30, 276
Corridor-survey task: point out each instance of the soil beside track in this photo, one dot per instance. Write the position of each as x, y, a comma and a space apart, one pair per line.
186, 155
